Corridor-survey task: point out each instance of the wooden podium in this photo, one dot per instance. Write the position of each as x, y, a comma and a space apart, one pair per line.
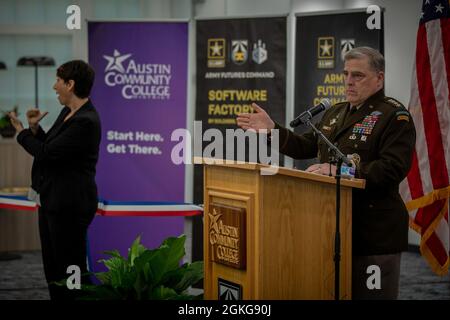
272, 236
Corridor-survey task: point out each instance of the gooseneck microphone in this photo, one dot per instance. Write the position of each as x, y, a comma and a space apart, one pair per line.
311, 112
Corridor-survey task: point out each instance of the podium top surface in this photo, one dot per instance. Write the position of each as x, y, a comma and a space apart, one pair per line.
353, 183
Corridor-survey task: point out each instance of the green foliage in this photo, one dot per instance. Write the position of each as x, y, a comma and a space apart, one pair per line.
147, 274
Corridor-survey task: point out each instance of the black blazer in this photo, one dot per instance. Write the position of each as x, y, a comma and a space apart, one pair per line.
64, 164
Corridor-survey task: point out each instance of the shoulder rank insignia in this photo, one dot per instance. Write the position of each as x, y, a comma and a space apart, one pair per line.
393, 102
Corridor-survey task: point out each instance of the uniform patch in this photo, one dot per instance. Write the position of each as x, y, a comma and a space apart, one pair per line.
376, 113
363, 138
352, 137
367, 125
403, 117
402, 112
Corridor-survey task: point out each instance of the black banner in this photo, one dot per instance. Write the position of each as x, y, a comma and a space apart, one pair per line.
321, 42
239, 61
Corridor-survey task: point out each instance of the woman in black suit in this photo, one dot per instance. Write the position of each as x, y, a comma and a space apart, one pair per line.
63, 173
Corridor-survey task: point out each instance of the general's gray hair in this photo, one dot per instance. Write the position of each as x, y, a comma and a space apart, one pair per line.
376, 59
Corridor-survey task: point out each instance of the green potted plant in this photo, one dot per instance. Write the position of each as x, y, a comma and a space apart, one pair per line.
6, 128
146, 274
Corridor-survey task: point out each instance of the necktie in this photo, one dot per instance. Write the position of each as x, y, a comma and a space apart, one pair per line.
352, 110
349, 113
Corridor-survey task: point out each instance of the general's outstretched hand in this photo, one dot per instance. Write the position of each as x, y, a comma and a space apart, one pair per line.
259, 120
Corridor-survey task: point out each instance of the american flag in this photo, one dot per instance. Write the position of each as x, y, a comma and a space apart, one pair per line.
426, 190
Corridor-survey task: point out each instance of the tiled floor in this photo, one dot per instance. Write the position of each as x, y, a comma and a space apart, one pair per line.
24, 279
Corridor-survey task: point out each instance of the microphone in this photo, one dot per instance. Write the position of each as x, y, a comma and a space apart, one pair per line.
311, 112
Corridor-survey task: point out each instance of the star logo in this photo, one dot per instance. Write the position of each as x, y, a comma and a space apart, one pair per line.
213, 220
115, 61
216, 53
439, 8
216, 48
326, 48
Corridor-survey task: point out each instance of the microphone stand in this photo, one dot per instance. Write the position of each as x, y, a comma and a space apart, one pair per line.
336, 157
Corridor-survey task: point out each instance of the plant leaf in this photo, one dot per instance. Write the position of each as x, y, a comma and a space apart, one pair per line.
163, 293
114, 253
167, 257
192, 274
135, 251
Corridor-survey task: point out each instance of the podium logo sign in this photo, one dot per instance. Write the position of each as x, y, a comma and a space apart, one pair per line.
227, 235
228, 290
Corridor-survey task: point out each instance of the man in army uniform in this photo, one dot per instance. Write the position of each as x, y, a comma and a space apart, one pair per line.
379, 134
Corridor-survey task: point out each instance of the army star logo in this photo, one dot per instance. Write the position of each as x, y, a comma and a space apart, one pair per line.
216, 48
326, 48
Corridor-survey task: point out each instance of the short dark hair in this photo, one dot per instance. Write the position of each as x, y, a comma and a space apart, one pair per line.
81, 73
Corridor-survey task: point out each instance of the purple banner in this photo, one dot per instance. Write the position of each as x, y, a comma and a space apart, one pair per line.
140, 93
